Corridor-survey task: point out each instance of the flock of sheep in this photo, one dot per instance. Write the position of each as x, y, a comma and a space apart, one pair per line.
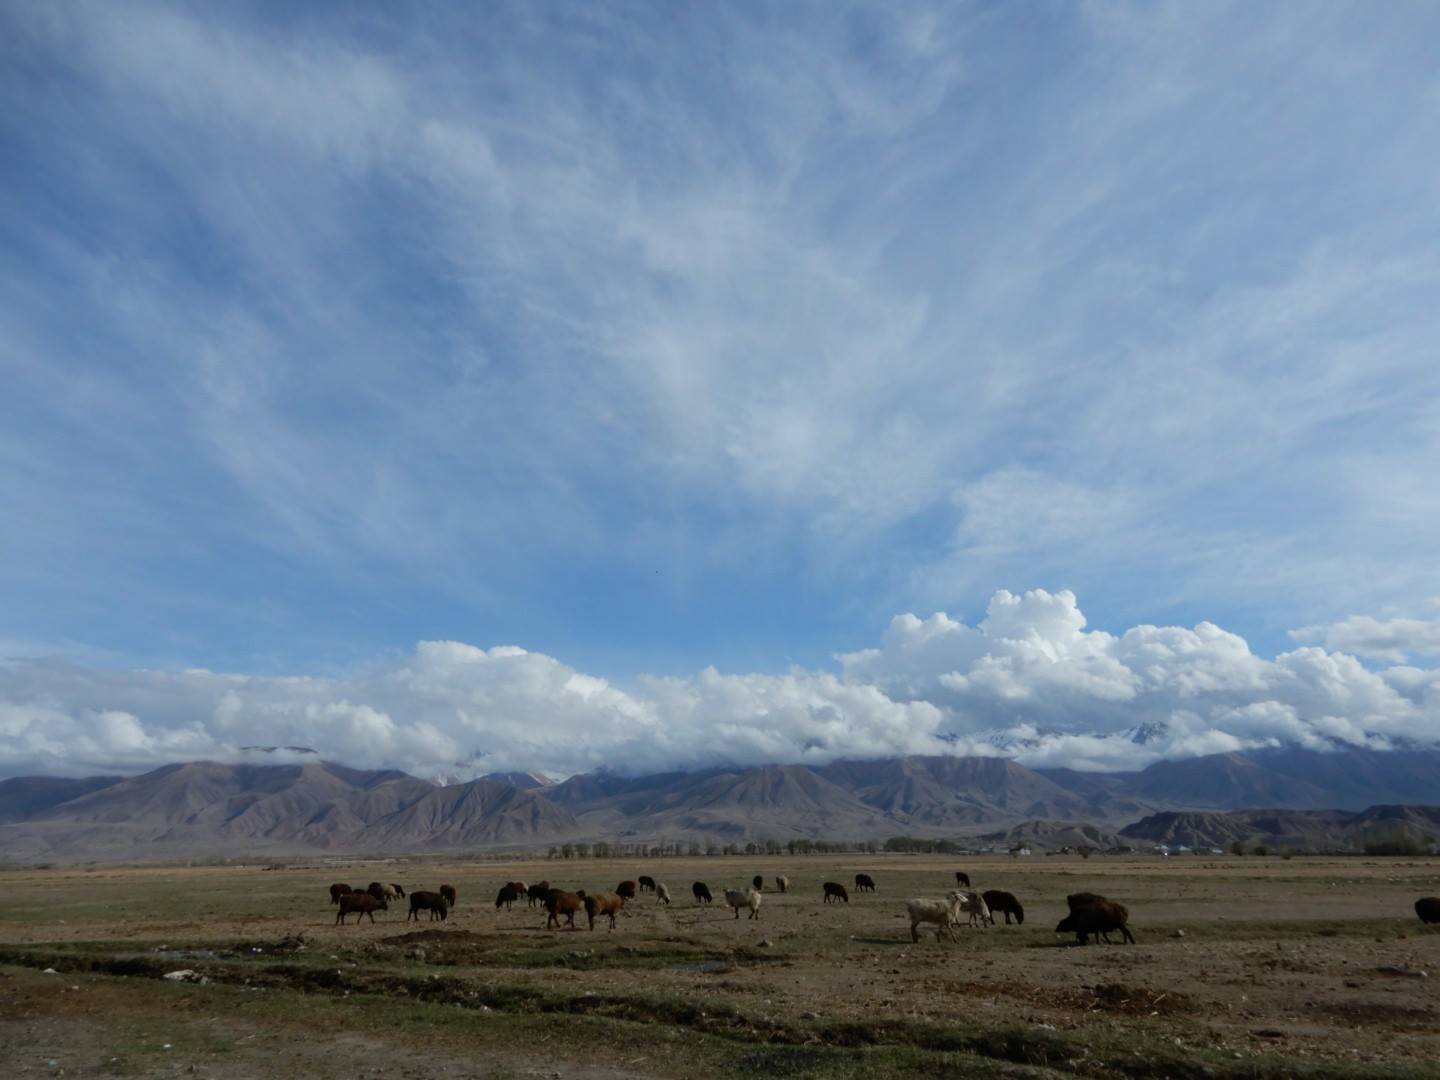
1091, 915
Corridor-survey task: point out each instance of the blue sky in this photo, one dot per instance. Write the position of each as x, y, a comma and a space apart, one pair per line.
655, 337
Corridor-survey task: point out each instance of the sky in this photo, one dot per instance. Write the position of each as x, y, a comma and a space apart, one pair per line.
554, 386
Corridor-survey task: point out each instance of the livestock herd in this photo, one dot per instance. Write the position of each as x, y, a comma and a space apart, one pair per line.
1090, 914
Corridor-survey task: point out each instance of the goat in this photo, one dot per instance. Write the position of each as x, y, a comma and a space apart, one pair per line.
835, 891
338, 890
560, 902
626, 889
999, 900
945, 914
1099, 919
662, 893
506, 896
647, 884
448, 891
962, 878
747, 898
1428, 908
864, 882
434, 903
362, 904
782, 883
603, 903
701, 892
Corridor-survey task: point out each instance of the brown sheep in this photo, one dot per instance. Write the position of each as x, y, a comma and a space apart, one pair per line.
1428, 908
758, 883
338, 890
506, 896
701, 892
448, 891
962, 878
538, 892
560, 902
647, 884
864, 882
603, 903
998, 900
377, 890
782, 883
518, 886
626, 889
835, 891
434, 903
1099, 919
362, 904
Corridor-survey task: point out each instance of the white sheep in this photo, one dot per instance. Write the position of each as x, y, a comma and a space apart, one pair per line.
747, 898
662, 893
945, 914
974, 904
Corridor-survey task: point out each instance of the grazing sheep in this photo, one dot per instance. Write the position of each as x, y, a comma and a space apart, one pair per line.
400, 892
945, 914
560, 902
864, 882
626, 889
1082, 899
338, 890
746, 898
974, 905
782, 883
835, 891
519, 887
1428, 908
506, 896
538, 892
390, 893
362, 904
998, 900
377, 890
1099, 919
701, 892
662, 893
604, 903
962, 878
647, 884
434, 903
757, 883
448, 891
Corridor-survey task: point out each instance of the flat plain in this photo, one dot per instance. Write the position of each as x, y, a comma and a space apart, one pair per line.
1244, 967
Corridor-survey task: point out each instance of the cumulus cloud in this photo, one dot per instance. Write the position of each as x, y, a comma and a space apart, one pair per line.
1029, 680
1393, 640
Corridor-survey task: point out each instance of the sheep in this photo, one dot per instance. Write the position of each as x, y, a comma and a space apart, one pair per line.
626, 889
757, 883
538, 892
974, 905
560, 902
1099, 919
998, 900
338, 890
377, 890
864, 882
519, 887
782, 883
604, 903
701, 892
390, 893
399, 892
746, 898
362, 904
506, 896
962, 878
945, 914
835, 891
448, 891
434, 903
1428, 908
662, 893
1082, 899
647, 883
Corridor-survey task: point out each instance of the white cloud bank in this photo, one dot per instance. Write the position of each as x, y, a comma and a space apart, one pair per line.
1029, 679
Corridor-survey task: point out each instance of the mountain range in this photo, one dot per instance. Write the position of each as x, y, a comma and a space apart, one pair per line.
200, 809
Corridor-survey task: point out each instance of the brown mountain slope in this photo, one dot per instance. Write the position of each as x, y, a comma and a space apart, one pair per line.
476, 814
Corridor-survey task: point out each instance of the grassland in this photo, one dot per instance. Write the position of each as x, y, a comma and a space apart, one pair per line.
1245, 967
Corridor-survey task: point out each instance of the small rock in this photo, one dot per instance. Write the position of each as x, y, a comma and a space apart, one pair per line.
809, 1016
49, 971
1178, 934
766, 943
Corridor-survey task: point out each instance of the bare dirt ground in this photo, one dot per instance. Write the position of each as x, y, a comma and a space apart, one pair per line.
1244, 967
